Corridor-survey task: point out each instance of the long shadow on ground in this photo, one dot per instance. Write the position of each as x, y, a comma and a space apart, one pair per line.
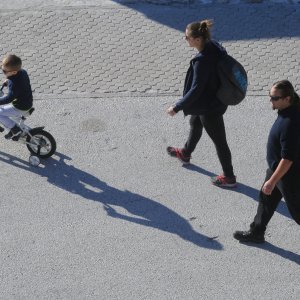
242, 189
141, 210
293, 257
253, 193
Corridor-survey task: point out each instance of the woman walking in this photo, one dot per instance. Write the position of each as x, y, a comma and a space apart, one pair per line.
200, 101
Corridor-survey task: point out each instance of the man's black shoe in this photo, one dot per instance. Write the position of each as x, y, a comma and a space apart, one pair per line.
249, 237
1, 129
14, 133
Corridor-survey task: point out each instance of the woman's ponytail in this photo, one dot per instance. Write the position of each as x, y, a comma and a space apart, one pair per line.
201, 29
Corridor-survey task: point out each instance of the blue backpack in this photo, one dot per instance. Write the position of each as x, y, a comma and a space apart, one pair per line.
233, 81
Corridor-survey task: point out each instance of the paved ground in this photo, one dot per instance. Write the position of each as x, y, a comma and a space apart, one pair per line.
140, 48
111, 216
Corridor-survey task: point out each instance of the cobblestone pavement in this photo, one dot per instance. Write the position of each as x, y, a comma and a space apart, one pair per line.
140, 48
210, 1
168, 2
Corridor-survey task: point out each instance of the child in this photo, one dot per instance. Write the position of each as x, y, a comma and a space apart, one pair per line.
19, 97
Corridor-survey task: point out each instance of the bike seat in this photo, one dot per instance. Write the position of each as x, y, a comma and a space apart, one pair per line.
27, 113
31, 110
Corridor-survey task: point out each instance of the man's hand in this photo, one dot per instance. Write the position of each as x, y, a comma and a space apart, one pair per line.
268, 187
170, 111
5, 82
282, 168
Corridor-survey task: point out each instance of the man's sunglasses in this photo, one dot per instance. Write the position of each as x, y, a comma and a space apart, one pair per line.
275, 98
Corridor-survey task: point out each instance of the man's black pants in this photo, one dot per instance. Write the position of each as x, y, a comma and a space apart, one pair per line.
214, 126
289, 189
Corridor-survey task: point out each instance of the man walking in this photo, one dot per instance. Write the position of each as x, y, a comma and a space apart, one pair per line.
283, 157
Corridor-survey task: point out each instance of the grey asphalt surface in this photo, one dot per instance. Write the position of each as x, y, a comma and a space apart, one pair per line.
111, 216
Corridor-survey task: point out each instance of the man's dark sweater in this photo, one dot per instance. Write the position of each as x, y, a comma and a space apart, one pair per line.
284, 139
19, 91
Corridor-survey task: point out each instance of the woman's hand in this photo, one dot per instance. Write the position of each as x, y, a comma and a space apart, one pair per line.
170, 111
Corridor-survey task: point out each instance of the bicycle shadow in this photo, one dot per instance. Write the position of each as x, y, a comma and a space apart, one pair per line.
141, 210
242, 189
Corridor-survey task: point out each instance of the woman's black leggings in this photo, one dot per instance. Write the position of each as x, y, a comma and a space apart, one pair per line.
214, 126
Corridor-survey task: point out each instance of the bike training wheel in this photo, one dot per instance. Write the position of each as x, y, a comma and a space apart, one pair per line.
43, 139
34, 160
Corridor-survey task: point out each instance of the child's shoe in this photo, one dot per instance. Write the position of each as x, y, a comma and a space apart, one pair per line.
179, 153
14, 133
224, 181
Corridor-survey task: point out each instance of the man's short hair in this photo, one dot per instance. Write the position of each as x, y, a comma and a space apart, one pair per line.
12, 62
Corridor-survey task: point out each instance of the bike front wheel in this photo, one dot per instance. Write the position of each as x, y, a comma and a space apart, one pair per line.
41, 143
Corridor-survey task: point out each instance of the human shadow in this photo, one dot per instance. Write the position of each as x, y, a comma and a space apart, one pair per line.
293, 257
242, 189
140, 210
235, 22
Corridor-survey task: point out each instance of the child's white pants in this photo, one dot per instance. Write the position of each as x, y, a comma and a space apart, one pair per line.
7, 111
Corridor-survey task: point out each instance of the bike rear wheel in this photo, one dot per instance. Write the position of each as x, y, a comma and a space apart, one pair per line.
41, 143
